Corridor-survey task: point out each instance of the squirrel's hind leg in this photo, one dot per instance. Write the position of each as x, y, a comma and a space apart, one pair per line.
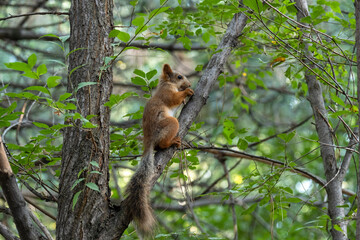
168, 129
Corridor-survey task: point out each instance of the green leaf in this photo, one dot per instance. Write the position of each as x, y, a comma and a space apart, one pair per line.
338, 228
123, 36
199, 68
287, 136
64, 96
67, 55
186, 42
70, 106
343, 206
252, 138
138, 81
157, 11
138, 21
88, 117
255, 5
139, 72
293, 200
95, 164
38, 88
141, 29
77, 182
249, 100
93, 186
242, 144
64, 38
174, 175
41, 69
83, 84
151, 74
53, 81
116, 99
133, 3
306, 19
76, 68
206, 37
75, 199
249, 209
335, 6
228, 130
77, 116
337, 100
18, 66
12, 107
154, 83
30, 75
50, 35
40, 125
4, 87
89, 125
32, 60
178, 10
113, 33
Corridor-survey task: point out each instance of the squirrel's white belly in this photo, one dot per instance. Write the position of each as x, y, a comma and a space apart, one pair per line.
172, 111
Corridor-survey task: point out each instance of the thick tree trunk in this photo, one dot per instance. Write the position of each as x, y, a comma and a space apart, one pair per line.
91, 22
333, 178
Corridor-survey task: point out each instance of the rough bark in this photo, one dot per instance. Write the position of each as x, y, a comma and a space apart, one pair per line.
334, 181
15, 200
90, 22
357, 45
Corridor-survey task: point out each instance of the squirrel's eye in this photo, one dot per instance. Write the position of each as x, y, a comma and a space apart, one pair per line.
180, 77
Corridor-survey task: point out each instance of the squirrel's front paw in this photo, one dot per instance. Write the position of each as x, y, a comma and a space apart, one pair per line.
189, 92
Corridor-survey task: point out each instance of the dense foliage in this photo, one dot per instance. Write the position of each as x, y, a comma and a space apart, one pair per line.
249, 164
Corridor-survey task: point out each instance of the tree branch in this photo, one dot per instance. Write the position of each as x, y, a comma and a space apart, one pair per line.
286, 131
34, 13
230, 40
33, 9
6, 233
204, 86
164, 46
334, 182
273, 162
15, 199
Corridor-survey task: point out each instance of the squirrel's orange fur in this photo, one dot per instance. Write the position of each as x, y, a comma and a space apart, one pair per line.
160, 128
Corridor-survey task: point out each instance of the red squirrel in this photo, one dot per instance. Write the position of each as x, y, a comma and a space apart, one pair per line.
160, 128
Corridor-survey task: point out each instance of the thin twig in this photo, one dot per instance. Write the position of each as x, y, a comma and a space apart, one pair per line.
273, 162
40, 208
34, 13
41, 226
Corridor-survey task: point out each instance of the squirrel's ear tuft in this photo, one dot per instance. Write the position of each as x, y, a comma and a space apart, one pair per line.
167, 72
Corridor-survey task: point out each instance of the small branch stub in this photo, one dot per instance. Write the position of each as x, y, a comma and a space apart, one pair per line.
5, 167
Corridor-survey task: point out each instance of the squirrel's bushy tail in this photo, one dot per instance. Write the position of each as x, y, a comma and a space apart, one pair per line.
137, 201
